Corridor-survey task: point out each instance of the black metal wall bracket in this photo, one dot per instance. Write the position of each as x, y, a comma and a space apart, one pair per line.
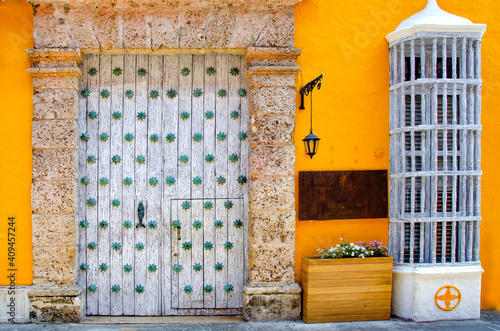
306, 89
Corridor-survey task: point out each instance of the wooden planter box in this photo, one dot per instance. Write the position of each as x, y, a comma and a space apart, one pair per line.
344, 290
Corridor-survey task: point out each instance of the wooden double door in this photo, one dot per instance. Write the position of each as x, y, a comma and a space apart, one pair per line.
163, 193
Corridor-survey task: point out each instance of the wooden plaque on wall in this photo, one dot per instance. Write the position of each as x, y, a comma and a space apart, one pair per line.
330, 195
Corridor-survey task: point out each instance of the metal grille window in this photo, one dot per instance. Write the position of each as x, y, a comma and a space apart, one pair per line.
435, 132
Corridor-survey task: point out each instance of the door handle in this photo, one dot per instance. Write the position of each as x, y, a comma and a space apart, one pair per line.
179, 233
140, 215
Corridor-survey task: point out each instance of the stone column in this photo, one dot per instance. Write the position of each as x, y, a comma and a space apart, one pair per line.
55, 295
271, 292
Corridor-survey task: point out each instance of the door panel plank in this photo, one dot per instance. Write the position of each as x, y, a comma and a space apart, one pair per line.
82, 189
209, 141
197, 174
185, 276
92, 174
221, 160
184, 174
234, 260
141, 181
170, 156
128, 249
175, 254
154, 191
116, 184
104, 200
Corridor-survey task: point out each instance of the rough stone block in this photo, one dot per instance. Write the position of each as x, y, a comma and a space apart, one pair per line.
80, 26
55, 164
274, 307
136, 29
164, 28
272, 194
55, 265
273, 101
279, 31
248, 28
192, 29
48, 30
54, 197
55, 104
55, 134
108, 27
272, 130
271, 227
271, 80
270, 161
220, 29
54, 230
55, 78
57, 309
271, 263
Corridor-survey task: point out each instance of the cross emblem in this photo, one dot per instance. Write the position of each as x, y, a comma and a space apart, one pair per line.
448, 294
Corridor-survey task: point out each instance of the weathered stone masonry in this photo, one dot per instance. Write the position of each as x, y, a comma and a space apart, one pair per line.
263, 31
54, 295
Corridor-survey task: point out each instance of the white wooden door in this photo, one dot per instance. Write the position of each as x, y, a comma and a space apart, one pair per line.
170, 134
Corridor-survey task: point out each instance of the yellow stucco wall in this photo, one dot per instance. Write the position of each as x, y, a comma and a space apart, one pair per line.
16, 29
345, 40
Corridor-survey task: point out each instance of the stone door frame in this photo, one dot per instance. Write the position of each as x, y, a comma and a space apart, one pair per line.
261, 30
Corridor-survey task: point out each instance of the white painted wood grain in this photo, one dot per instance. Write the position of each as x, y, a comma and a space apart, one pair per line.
141, 183
170, 157
154, 193
197, 255
209, 254
197, 160
92, 174
221, 278
116, 184
104, 201
184, 174
82, 170
185, 255
234, 255
221, 171
209, 142
175, 253
129, 206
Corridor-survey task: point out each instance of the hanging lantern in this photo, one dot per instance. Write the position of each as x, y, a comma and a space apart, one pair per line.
311, 141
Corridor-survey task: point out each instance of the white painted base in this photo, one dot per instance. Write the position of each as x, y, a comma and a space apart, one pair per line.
414, 288
14, 304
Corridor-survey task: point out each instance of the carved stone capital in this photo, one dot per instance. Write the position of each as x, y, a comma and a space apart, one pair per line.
272, 56
72, 290
54, 57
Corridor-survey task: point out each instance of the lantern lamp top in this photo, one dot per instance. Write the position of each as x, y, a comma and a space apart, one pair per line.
311, 136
